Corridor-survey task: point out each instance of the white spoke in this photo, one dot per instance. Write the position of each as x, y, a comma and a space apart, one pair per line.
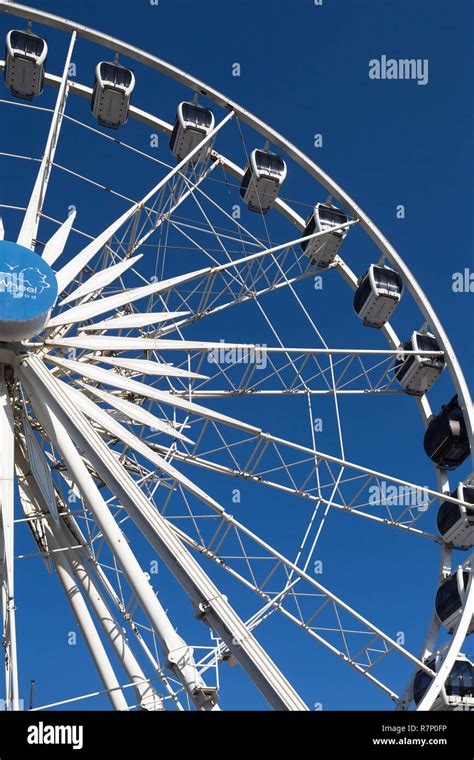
7, 546
191, 340
67, 274
215, 608
29, 227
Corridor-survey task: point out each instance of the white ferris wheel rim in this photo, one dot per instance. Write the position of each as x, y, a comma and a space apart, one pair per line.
386, 249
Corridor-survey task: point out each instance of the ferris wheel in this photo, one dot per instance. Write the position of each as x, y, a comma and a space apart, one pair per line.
179, 322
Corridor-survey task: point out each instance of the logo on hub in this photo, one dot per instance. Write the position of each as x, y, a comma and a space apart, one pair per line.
28, 292
27, 283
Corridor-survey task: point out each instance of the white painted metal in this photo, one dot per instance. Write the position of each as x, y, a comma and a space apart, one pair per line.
147, 697
67, 274
114, 427
7, 546
30, 496
135, 413
147, 391
56, 244
146, 367
459, 634
131, 321
375, 234
179, 655
101, 279
102, 305
97, 578
58, 536
213, 606
40, 469
290, 150
29, 227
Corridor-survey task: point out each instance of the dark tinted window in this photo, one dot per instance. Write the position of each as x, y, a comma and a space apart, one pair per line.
27, 43
460, 681
362, 293
310, 228
388, 279
447, 597
448, 515
196, 115
334, 215
405, 362
245, 182
421, 684
446, 440
269, 162
427, 343
112, 74
467, 494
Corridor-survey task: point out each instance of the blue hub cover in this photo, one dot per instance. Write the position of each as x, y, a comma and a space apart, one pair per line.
28, 292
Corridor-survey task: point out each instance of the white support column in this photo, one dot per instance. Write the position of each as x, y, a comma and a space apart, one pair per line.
29, 227
85, 622
457, 641
70, 270
7, 545
210, 604
147, 696
110, 596
61, 536
31, 506
179, 654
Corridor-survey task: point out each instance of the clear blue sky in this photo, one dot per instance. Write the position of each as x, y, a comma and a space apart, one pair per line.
304, 70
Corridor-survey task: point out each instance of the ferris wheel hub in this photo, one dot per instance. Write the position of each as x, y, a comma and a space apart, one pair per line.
28, 292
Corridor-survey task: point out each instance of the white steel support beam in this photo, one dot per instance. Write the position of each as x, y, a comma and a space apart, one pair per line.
147, 696
57, 424
32, 506
67, 274
85, 622
277, 139
210, 604
457, 641
293, 152
29, 227
7, 545
108, 592
60, 535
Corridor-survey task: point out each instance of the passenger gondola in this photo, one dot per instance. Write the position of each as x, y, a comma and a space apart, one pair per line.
456, 522
112, 93
457, 692
192, 124
377, 295
25, 60
446, 442
449, 600
263, 178
418, 373
323, 250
